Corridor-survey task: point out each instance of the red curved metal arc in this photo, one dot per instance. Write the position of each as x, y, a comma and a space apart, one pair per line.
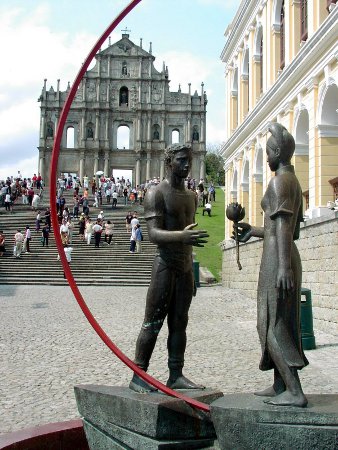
72, 283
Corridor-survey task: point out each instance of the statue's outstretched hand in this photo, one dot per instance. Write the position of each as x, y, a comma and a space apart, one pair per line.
194, 237
243, 231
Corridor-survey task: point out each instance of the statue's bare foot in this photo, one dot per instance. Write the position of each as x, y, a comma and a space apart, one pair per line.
182, 382
140, 386
268, 392
287, 398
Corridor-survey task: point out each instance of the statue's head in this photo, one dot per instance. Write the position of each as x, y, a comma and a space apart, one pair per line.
178, 151
170, 151
280, 146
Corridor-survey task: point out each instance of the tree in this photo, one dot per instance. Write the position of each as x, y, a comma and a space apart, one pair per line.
214, 165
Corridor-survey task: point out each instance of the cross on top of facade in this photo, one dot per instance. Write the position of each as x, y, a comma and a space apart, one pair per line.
126, 31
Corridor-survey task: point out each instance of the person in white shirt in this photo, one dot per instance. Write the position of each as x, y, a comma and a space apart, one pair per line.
134, 221
8, 202
28, 237
64, 231
115, 195
207, 208
97, 234
18, 241
68, 252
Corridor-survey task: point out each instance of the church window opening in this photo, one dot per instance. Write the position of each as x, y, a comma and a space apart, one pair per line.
70, 137
123, 137
124, 94
282, 36
245, 74
303, 20
175, 136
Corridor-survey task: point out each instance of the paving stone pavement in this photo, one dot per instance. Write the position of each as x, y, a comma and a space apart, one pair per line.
47, 347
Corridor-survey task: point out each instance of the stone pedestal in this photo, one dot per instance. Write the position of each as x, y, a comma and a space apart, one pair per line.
118, 418
245, 422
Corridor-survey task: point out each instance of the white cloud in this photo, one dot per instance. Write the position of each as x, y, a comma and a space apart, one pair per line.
27, 167
32, 52
19, 119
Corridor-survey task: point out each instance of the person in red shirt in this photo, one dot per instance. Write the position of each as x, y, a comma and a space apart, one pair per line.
34, 178
30, 195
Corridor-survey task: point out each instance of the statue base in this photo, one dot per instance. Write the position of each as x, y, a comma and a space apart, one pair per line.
119, 418
244, 421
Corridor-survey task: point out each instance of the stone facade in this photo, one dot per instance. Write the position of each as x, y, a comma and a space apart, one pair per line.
318, 248
123, 90
281, 65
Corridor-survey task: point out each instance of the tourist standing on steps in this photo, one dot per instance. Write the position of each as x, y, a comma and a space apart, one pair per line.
82, 225
35, 202
114, 205
2, 243
138, 238
8, 202
88, 230
28, 237
45, 235
18, 242
47, 218
64, 232
108, 229
129, 217
38, 221
70, 226
97, 229
68, 252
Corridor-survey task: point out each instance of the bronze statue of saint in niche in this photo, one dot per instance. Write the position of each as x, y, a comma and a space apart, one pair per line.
280, 276
169, 210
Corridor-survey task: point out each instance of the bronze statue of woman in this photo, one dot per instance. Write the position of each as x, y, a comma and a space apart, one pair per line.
280, 276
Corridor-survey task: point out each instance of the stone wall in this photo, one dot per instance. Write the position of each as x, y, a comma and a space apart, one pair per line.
318, 247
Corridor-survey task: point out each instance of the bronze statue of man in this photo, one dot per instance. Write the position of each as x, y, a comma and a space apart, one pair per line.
169, 209
280, 276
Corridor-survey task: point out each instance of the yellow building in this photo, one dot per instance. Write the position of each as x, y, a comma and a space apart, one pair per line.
281, 64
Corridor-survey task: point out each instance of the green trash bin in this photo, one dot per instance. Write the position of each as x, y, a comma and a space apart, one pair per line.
196, 269
306, 320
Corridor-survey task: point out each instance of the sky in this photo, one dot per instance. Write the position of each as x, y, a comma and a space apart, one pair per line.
51, 38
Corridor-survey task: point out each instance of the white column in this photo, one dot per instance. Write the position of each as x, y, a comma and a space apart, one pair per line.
42, 166
148, 166
106, 164
84, 88
42, 127
202, 167
188, 136
162, 169
83, 135
96, 163
137, 170
81, 175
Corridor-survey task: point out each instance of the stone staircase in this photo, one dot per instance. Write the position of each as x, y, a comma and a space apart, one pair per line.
106, 266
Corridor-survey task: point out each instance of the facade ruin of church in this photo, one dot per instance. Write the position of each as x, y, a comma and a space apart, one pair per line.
123, 90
